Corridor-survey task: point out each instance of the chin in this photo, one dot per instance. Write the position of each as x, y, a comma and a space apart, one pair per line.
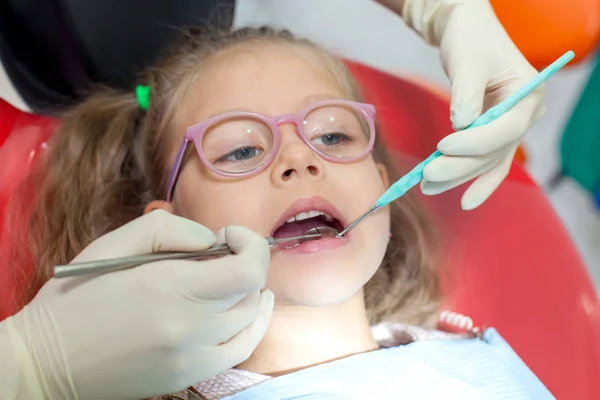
315, 294
319, 280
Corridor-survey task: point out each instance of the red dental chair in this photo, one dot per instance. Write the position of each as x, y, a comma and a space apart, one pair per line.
512, 264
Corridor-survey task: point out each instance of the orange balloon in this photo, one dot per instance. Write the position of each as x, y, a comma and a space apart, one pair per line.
545, 29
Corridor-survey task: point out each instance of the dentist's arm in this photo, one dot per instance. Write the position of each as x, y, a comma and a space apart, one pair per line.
484, 67
151, 330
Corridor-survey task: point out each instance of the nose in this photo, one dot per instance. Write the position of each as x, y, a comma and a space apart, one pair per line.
295, 160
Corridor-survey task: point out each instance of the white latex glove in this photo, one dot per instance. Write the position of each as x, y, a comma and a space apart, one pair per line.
154, 329
484, 67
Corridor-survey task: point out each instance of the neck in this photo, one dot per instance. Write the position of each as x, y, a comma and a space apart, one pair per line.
299, 337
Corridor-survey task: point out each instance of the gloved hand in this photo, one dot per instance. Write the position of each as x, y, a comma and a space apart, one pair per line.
484, 67
154, 329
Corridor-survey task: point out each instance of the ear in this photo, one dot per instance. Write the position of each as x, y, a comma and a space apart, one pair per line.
383, 173
158, 205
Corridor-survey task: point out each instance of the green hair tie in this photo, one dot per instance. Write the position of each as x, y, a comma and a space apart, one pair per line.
142, 92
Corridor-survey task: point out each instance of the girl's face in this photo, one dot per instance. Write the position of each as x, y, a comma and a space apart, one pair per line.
275, 80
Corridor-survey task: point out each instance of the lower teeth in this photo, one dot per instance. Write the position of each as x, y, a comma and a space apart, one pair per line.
291, 246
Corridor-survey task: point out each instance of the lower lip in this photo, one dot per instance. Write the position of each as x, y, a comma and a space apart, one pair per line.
314, 246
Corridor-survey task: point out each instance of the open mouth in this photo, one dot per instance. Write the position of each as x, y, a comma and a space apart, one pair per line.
306, 214
302, 222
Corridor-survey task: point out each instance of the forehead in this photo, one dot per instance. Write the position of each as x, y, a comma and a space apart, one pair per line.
269, 79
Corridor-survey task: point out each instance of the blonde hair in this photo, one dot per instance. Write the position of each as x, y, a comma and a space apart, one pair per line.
106, 162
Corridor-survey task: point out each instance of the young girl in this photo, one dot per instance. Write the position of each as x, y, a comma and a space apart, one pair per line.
276, 140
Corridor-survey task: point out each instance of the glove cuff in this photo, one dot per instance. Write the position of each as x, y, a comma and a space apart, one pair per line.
43, 363
428, 17
18, 378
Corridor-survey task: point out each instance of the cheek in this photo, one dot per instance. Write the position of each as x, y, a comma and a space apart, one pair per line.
380, 231
373, 237
215, 203
368, 179
360, 185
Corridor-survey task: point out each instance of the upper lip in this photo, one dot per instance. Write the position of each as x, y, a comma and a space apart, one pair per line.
309, 204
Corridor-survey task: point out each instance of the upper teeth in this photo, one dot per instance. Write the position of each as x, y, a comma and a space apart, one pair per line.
309, 214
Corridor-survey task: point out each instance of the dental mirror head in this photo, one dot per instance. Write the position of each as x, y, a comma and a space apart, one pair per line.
323, 231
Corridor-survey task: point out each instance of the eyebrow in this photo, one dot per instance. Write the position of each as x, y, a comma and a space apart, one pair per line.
305, 102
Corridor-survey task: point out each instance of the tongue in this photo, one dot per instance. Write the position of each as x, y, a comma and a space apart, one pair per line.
299, 227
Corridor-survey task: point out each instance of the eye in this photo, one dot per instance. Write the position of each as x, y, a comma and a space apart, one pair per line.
332, 139
241, 154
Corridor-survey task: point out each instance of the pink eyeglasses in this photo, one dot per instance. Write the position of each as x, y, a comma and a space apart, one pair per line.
241, 143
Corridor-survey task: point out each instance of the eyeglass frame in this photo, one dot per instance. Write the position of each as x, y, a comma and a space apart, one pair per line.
196, 132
